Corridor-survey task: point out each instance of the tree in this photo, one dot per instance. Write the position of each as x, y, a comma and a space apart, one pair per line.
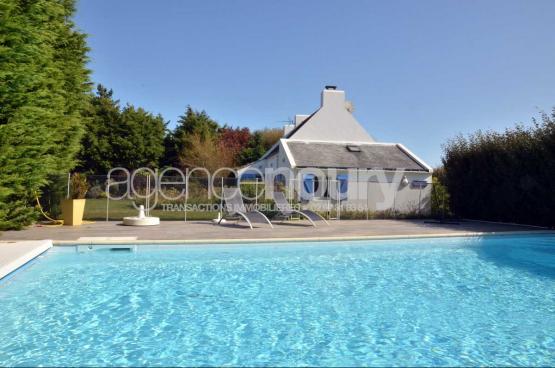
192, 127
194, 122
237, 146
234, 141
259, 142
97, 153
270, 136
206, 152
129, 138
254, 150
44, 89
170, 158
141, 143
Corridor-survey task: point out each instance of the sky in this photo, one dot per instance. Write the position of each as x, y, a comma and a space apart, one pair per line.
417, 72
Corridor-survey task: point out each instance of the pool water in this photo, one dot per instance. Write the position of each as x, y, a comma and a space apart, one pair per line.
450, 301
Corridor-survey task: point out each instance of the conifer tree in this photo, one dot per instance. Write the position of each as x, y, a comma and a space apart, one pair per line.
190, 126
104, 118
44, 85
130, 137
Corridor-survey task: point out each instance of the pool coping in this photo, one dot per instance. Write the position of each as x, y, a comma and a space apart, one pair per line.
15, 262
115, 240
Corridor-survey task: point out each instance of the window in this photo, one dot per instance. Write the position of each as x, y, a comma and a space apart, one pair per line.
343, 185
310, 186
310, 183
280, 182
250, 175
418, 184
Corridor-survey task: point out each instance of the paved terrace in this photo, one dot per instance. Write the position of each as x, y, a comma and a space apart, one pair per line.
206, 231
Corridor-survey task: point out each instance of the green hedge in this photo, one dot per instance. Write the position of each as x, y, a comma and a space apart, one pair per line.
507, 176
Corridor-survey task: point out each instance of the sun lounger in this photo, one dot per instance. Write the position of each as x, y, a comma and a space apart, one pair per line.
235, 209
285, 210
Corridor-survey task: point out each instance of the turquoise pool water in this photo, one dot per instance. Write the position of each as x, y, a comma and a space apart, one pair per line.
457, 301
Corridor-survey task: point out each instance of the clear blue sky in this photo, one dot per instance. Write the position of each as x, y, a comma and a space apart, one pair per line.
418, 72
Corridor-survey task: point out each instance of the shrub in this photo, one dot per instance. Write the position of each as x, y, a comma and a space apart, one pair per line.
78, 186
97, 191
440, 195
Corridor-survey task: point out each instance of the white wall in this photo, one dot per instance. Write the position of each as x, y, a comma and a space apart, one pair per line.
378, 191
385, 191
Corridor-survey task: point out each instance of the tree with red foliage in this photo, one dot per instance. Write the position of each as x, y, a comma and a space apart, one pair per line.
234, 141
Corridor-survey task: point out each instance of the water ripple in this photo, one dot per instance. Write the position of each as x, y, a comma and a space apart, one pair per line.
450, 302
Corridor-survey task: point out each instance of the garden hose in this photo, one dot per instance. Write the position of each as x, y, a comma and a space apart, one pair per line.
54, 222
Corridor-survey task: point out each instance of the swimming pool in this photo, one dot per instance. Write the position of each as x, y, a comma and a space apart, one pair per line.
436, 301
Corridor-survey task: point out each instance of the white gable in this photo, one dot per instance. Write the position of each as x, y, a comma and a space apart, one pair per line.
332, 122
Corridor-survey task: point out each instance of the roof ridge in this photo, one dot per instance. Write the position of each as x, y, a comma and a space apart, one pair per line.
342, 142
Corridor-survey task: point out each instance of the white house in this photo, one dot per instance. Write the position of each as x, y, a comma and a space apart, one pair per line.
331, 157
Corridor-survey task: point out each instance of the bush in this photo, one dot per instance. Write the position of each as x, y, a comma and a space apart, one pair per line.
96, 192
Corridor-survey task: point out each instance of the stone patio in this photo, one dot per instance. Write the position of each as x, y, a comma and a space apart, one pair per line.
206, 231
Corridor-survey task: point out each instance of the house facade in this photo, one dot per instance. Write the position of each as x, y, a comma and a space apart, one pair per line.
328, 158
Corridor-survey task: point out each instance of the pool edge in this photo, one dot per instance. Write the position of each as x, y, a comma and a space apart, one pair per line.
15, 262
305, 239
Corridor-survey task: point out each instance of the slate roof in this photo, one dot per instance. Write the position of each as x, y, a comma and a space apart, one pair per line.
358, 155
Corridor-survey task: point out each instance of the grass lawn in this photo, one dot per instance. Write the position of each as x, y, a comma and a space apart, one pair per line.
95, 209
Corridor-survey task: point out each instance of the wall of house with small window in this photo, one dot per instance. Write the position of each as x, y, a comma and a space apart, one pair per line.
368, 190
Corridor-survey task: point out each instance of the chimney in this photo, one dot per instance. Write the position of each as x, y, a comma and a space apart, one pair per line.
333, 98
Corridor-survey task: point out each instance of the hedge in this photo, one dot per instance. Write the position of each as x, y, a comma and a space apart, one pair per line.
507, 176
